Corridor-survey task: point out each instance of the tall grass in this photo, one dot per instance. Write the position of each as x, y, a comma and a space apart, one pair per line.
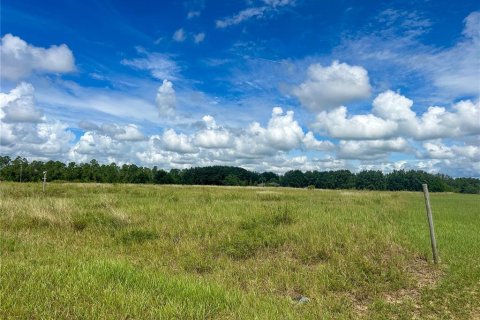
84, 251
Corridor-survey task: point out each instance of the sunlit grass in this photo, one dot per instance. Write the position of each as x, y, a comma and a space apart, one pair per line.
85, 251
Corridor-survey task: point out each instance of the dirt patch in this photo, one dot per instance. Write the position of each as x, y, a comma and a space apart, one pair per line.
423, 275
360, 307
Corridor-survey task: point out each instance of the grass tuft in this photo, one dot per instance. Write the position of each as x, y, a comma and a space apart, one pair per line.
138, 236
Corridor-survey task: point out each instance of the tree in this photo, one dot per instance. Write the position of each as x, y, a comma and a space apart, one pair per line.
20, 169
232, 180
370, 180
161, 177
294, 178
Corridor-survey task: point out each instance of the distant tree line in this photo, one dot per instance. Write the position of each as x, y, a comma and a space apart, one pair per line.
19, 169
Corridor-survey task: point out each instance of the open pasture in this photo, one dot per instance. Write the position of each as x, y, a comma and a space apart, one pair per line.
102, 251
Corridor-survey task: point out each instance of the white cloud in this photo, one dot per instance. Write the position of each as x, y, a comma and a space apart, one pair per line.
99, 103
370, 149
166, 99
367, 140
20, 59
161, 66
271, 6
19, 105
436, 150
179, 35
393, 117
241, 16
130, 132
336, 124
213, 139
199, 37
393, 106
48, 139
456, 69
472, 26
213, 136
180, 143
97, 146
283, 132
311, 143
397, 51
25, 131
278, 3
329, 87
193, 14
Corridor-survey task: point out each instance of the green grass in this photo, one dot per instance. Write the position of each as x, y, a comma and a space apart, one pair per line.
88, 251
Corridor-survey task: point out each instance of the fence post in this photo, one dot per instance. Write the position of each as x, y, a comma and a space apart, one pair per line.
44, 180
436, 258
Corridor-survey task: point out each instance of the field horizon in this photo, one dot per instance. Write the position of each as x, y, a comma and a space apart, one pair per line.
89, 250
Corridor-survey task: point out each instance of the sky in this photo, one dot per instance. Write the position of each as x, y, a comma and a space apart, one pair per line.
267, 85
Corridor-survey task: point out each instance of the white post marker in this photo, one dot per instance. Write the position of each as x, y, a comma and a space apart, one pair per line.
44, 180
436, 258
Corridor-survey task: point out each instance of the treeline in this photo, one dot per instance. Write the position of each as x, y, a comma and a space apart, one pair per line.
20, 169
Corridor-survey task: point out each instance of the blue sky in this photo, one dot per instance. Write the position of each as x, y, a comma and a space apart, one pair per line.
266, 84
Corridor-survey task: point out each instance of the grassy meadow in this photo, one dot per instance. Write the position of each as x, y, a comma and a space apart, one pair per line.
100, 251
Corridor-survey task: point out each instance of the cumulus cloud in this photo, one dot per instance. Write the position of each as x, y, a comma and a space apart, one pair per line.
20, 59
19, 105
109, 142
129, 132
25, 131
311, 143
176, 142
213, 136
392, 116
166, 99
436, 150
448, 138
179, 35
393, 106
370, 149
336, 124
94, 145
283, 133
253, 147
329, 87
470, 152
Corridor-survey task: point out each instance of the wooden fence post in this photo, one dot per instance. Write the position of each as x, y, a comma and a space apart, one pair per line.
44, 180
436, 258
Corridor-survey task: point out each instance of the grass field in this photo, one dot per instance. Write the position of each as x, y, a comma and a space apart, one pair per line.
89, 251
